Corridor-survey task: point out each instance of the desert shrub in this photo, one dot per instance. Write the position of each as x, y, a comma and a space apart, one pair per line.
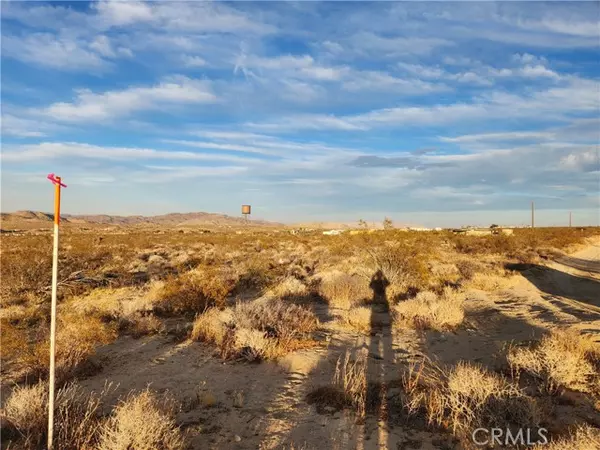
402, 263
466, 396
489, 281
431, 311
561, 359
290, 287
277, 318
358, 318
77, 416
350, 378
343, 291
443, 274
210, 326
195, 291
142, 421
13, 341
77, 338
138, 325
467, 268
348, 388
256, 330
585, 437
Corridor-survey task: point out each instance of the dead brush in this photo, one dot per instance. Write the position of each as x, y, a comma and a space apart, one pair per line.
142, 421
402, 263
76, 340
563, 358
195, 291
256, 331
343, 291
77, 419
351, 378
358, 318
431, 311
278, 319
464, 397
584, 437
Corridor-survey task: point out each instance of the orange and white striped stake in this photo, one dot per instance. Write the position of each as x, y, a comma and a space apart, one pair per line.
57, 185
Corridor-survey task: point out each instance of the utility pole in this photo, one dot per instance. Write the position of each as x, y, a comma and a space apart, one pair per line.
532, 215
570, 219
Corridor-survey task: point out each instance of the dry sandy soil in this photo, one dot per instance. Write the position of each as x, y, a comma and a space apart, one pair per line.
249, 406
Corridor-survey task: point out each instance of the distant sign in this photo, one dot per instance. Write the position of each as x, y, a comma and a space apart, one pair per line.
246, 209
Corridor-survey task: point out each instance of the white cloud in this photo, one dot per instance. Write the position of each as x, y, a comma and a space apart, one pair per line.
118, 13
102, 45
384, 82
55, 150
187, 16
22, 127
588, 160
112, 104
505, 136
193, 61
49, 50
374, 46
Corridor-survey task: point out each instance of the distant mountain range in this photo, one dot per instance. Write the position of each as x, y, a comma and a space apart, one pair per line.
174, 219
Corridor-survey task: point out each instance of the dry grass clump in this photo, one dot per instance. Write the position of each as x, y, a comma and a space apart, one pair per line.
466, 396
563, 358
256, 330
344, 291
358, 318
348, 387
276, 318
489, 282
350, 377
431, 311
142, 421
141, 325
77, 416
195, 291
403, 263
289, 287
77, 338
585, 437
210, 326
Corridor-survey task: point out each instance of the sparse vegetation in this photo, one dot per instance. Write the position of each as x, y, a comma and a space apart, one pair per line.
77, 416
266, 295
431, 311
195, 291
561, 359
466, 396
343, 291
142, 421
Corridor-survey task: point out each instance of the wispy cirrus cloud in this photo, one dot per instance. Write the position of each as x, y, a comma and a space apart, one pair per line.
112, 104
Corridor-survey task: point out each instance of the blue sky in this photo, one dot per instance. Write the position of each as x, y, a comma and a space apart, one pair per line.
428, 113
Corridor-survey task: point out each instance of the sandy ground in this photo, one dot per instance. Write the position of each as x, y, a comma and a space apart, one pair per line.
264, 405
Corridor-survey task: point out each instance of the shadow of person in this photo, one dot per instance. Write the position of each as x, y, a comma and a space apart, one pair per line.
379, 284
380, 361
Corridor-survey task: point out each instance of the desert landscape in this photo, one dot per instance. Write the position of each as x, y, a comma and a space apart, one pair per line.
215, 332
